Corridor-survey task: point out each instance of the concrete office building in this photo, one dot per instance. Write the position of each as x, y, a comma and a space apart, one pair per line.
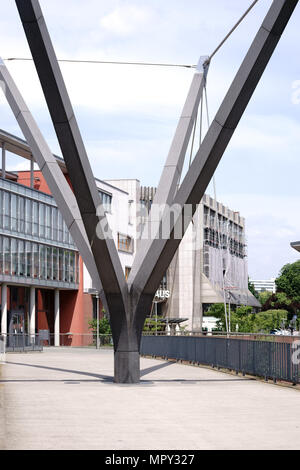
268, 285
211, 260
45, 284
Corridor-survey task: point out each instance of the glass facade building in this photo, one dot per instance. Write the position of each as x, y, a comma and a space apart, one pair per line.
35, 244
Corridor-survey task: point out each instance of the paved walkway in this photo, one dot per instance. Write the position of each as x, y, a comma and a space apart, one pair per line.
2, 426
65, 399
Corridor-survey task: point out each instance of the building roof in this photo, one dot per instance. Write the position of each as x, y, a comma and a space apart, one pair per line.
19, 147
244, 297
296, 245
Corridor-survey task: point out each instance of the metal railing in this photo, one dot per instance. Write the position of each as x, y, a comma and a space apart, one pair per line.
79, 340
20, 343
249, 336
267, 359
25, 342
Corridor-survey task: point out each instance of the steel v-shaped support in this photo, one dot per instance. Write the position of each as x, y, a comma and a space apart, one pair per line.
130, 303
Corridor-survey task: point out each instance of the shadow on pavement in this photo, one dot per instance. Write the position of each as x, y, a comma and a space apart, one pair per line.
109, 379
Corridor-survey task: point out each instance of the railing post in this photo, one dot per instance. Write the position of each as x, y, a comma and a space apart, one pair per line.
253, 357
239, 340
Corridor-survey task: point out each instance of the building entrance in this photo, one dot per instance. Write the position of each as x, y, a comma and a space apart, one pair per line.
16, 323
16, 329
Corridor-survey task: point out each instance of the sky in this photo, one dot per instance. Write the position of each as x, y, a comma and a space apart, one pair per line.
128, 114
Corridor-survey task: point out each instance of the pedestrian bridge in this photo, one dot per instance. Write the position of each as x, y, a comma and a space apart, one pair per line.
65, 398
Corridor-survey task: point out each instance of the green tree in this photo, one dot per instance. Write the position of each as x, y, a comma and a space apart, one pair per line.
251, 288
269, 320
263, 297
151, 325
104, 326
244, 321
280, 301
104, 330
289, 281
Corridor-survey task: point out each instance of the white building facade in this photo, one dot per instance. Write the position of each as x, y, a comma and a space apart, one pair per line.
264, 285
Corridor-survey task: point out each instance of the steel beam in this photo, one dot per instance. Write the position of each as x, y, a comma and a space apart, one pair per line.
73, 150
129, 309
87, 195
170, 178
192, 189
50, 169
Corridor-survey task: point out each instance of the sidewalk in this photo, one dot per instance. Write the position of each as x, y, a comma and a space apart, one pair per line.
65, 399
2, 425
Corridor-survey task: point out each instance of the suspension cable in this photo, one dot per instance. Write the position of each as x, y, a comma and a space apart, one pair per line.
149, 64
108, 62
231, 31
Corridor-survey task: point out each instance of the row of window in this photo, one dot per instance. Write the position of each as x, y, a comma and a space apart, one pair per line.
26, 216
37, 261
212, 238
224, 224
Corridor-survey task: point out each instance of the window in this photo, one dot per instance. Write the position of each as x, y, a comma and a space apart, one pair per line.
55, 226
60, 227
21, 214
61, 265
130, 212
21, 249
72, 267
66, 233
14, 213
55, 264
28, 259
14, 257
42, 220
43, 273
48, 222
206, 215
67, 266
106, 201
49, 262
35, 260
28, 216
164, 283
125, 243
6, 207
7, 257
35, 219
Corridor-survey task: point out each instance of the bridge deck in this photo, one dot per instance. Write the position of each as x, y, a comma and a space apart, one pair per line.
65, 399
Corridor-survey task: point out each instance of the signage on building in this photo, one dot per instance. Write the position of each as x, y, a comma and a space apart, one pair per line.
162, 294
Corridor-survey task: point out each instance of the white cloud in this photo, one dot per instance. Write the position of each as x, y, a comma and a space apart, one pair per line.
152, 92
269, 134
171, 31
125, 20
272, 223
